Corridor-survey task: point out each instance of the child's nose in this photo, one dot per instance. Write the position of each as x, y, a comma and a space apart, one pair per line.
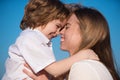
55, 35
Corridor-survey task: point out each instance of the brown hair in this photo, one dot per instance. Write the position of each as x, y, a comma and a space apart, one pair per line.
96, 36
40, 12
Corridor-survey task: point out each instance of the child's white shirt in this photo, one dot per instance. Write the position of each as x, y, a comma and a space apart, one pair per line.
89, 70
30, 47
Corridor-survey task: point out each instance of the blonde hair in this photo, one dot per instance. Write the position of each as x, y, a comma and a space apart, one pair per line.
40, 12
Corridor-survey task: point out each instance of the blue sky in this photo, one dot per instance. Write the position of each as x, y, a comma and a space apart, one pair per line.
11, 13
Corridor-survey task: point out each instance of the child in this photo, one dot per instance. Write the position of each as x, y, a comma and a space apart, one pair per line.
41, 22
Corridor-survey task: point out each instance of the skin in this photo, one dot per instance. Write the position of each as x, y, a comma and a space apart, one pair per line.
52, 28
70, 41
70, 36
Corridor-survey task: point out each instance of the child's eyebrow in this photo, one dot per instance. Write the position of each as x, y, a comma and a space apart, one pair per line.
60, 25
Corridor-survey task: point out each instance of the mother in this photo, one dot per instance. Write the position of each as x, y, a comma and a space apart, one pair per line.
87, 28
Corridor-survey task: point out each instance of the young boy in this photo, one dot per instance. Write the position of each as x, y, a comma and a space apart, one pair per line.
41, 22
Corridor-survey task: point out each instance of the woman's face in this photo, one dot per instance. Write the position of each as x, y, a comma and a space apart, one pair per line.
71, 35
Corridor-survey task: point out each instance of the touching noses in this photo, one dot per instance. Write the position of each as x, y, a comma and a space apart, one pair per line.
56, 33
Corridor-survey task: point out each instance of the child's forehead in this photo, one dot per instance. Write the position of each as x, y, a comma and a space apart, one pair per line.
58, 21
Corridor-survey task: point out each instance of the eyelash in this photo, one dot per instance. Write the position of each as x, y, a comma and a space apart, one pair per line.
58, 26
66, 26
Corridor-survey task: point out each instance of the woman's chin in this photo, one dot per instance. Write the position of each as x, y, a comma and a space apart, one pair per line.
62, 48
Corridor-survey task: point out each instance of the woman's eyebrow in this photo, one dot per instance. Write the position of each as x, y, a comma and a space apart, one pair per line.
67, 24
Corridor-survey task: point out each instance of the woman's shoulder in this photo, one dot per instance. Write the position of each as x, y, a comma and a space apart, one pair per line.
88, 62
93, 65
91, 68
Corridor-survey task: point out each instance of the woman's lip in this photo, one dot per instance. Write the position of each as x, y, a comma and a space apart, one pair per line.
62, 39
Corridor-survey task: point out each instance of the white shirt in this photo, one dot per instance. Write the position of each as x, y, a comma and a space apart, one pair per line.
89, 70
31, 47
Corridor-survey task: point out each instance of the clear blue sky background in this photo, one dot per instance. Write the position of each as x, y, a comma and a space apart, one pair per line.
11, 12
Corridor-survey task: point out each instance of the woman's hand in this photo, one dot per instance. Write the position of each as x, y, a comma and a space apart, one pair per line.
42, 75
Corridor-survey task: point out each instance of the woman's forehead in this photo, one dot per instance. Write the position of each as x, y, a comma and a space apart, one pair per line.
72, 19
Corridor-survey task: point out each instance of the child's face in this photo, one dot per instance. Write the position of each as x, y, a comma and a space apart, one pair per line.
51, 30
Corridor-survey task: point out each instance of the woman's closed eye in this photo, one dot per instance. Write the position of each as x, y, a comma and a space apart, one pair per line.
67, 26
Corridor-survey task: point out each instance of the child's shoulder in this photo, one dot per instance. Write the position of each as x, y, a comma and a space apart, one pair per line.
28, 33
27, 36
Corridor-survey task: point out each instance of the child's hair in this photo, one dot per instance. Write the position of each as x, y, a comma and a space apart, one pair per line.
40, 12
